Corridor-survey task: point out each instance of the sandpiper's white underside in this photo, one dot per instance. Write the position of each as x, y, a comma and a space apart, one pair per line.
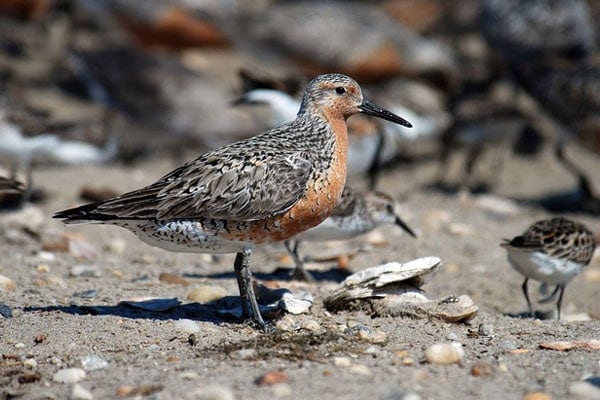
182, 236
541, 267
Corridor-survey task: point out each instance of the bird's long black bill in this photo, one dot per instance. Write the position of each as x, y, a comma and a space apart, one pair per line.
403, 225
373, 109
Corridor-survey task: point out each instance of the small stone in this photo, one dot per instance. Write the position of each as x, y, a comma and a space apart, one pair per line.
173, 358
30, 363
360, 369
482, 369
19, 345
372, 336
502, 368
117, 246
5, 311
584, 390
281, 390
93, 362
311, 325
342, 362
6, 284
69, 375
86, 294
78, 392
146, 390
88, 271
460, 229
43, 268
172, 279
206, 294
452, 336
271, 378
41, 338
485, 330
156, 304
287, 324
29, 377
214, 393
187, 326
537, 396
45, 256
444, 353
189, 375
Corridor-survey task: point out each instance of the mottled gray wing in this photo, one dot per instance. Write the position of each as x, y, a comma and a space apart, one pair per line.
246, 188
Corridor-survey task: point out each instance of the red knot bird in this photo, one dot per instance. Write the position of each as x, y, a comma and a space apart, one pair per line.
355, 215
264, 189
552, 251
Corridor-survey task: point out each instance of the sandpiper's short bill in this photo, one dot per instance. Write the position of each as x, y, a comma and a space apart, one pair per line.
551, 251
264, 189
356, 214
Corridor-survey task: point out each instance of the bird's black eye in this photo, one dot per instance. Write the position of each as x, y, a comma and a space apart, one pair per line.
340, 90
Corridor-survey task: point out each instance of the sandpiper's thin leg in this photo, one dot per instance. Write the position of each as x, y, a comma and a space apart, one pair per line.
551, 296
299, 272
559, 302
244, 278
524, 287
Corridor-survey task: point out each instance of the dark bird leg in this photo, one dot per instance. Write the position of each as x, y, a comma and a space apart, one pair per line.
551, 296
559, 302
244, 278
524, 287
299, 272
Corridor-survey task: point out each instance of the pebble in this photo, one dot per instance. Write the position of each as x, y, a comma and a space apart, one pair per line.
6, 284
444, 353
93, 362
187, 326
372, 336
45, 256
452, 336
343, 362
281, 390
156, 304
485, 330
482, 369
117, 246
360, 369
172, 279
311, 325
271, 378
86, 294
5, 311
29, 219
88, 271
43, 268
584, 390
30, 363
69, 375
214, 393
19, 345
78, 392
537, 396
287, 324
206, 294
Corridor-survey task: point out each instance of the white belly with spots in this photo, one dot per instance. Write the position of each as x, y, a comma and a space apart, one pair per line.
182, 236
541, 267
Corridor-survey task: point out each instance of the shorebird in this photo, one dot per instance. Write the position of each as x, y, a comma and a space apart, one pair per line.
355, 215
552, 251
264, 189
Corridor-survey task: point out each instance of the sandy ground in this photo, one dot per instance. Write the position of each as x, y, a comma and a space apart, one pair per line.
145, 351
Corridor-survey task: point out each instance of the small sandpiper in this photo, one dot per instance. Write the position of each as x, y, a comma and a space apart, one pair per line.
264, 189
356, 214
552, 251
